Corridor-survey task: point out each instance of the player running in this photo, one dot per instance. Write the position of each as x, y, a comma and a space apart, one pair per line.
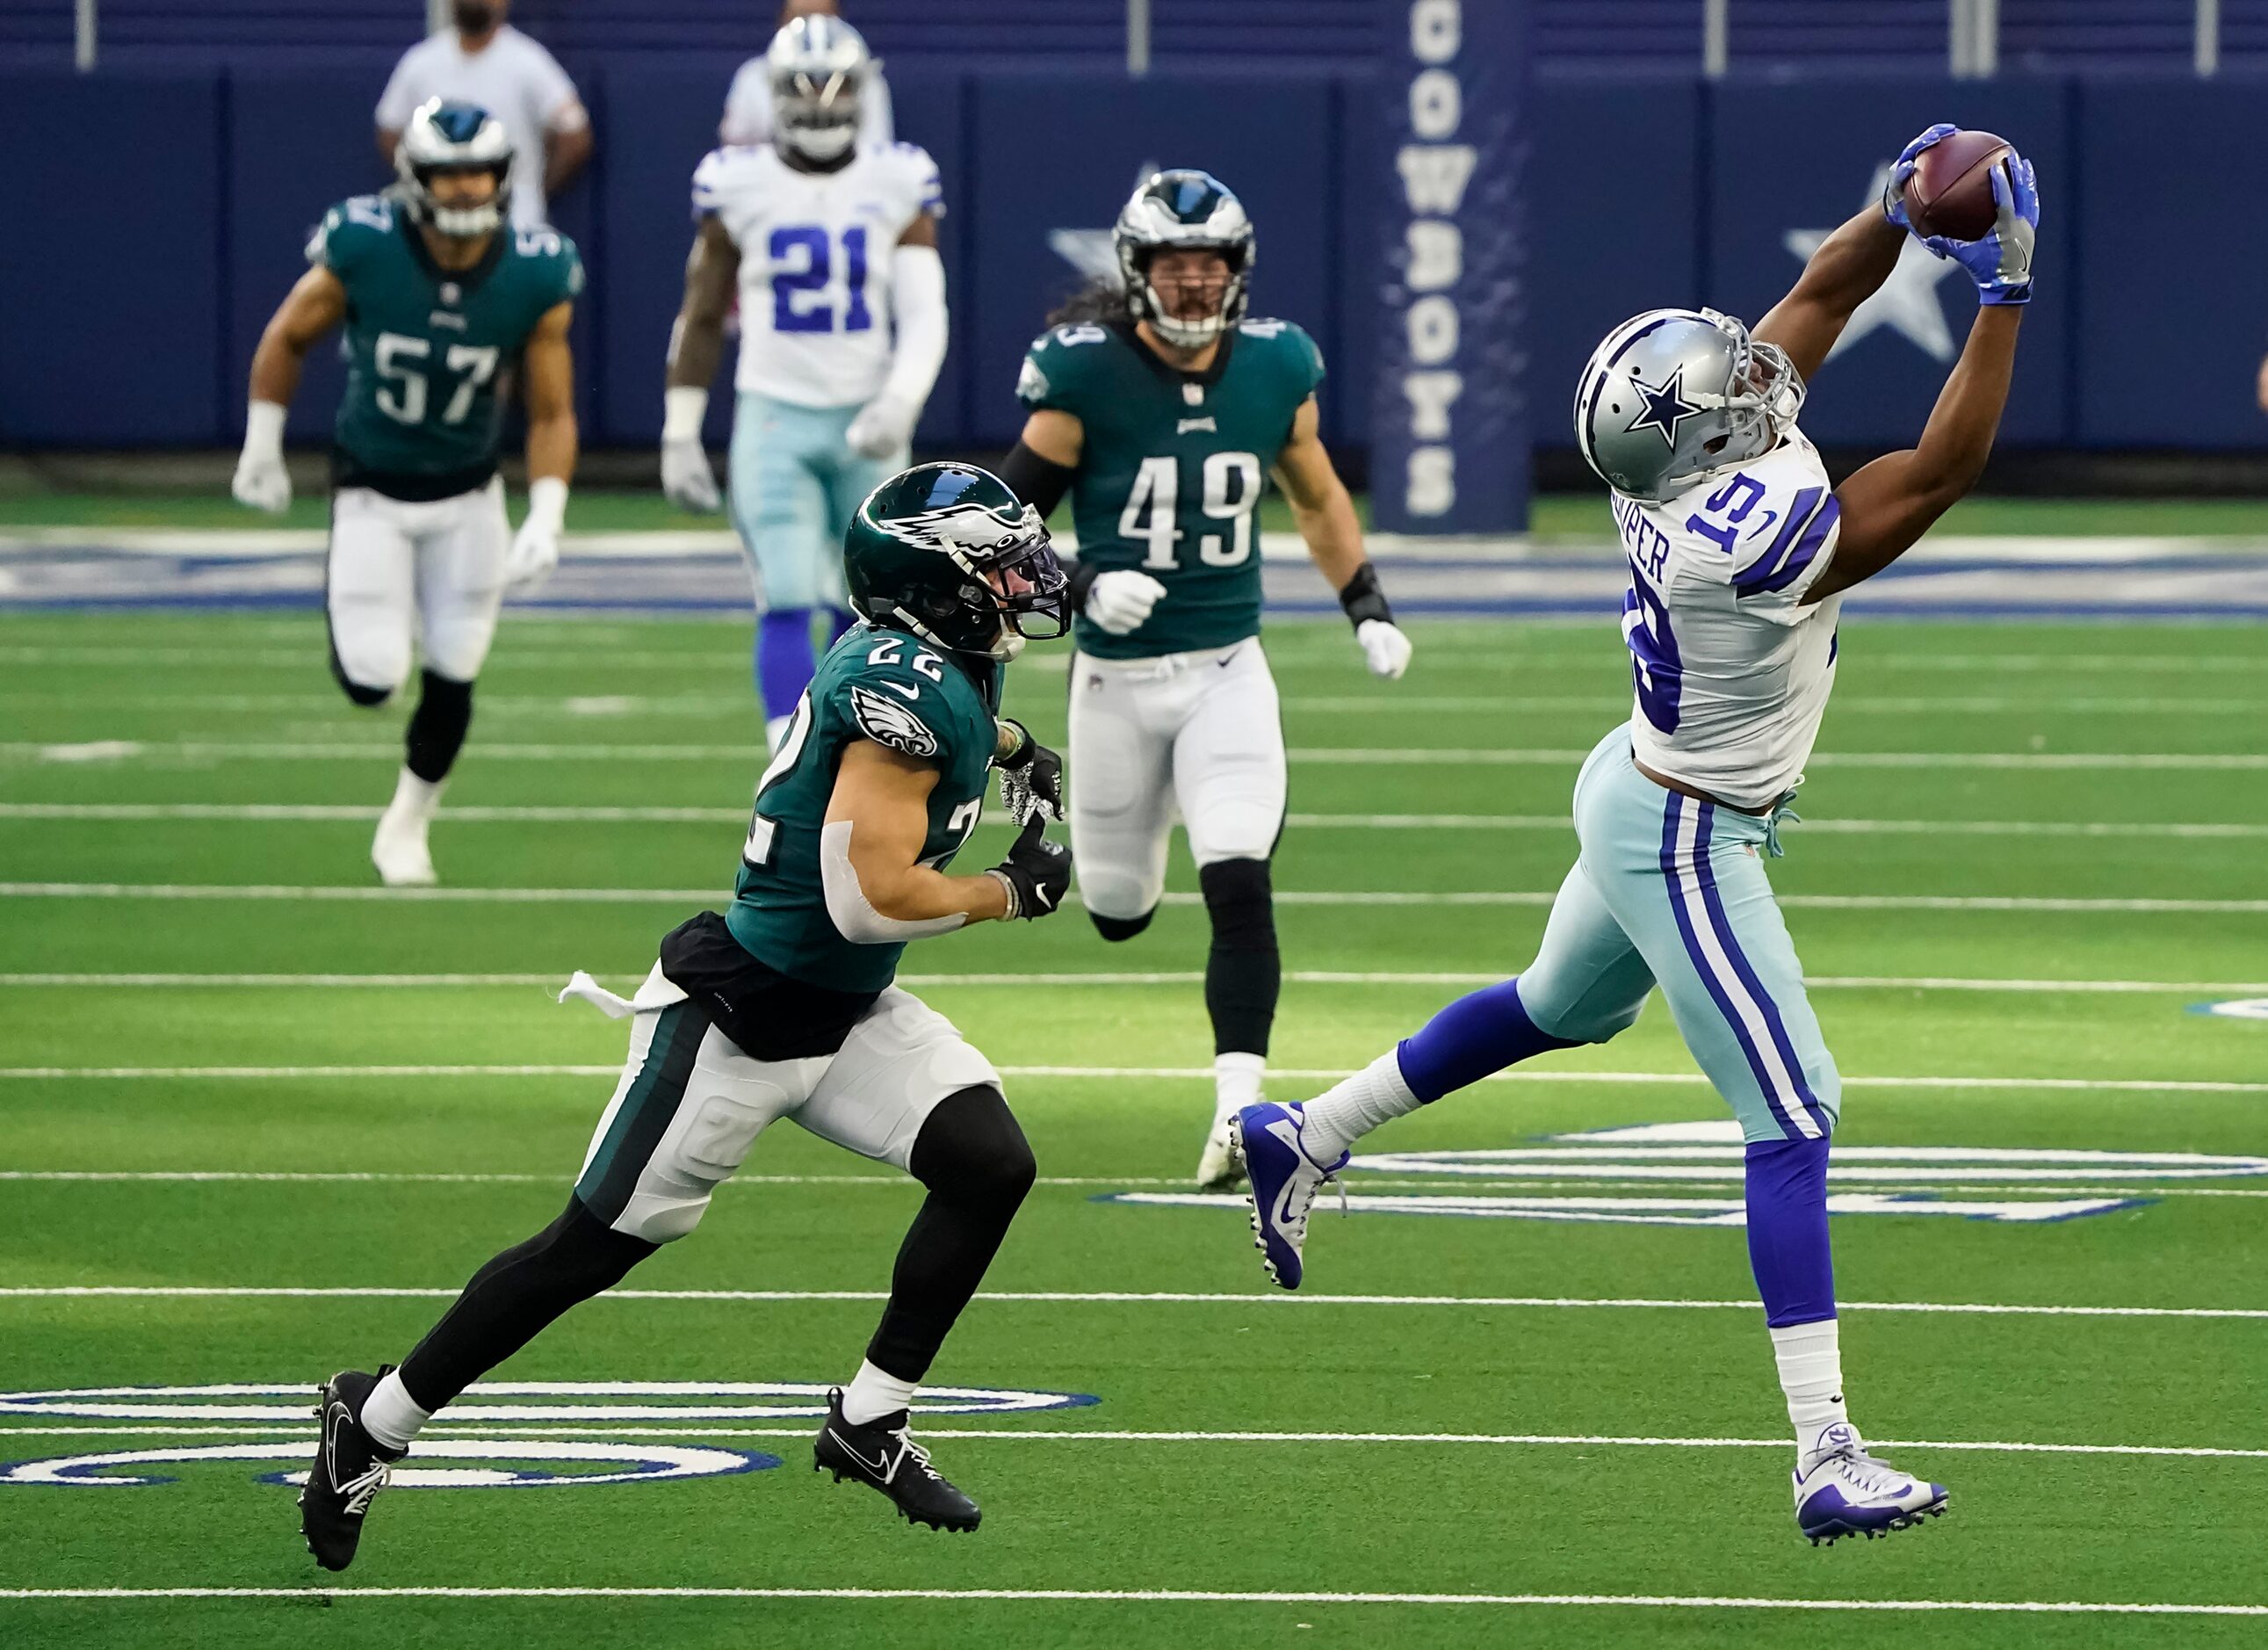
833, 245
1739, 554
1160, 407
443, 303
784, 1006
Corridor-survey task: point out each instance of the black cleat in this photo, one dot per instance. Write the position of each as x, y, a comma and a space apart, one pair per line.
880, 1455
351, 1467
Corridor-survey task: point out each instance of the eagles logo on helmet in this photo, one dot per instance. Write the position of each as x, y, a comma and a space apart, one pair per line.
949, 552
442, 139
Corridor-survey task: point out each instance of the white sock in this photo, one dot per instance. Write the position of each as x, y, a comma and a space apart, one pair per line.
416, 798
874, 1393
1811, 1358
1236, 1083
389, 1415
775, 730
1343, 1114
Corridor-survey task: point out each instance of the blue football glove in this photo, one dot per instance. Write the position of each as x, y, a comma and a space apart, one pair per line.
2001, 262
1902, 171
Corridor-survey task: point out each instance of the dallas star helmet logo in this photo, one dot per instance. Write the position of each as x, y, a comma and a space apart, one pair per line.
1665, 409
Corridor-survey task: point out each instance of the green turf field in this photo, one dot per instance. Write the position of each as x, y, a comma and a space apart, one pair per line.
2030, 851
1576, 517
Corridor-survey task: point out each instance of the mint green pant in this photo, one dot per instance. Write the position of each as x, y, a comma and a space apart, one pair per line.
795, 486
1670, 891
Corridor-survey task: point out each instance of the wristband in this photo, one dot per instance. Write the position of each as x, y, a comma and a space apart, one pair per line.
683, 407
1012, 743
1361, 599
1008, 888
263, 427
547, 502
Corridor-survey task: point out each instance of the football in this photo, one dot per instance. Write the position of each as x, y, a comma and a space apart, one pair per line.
1950, 192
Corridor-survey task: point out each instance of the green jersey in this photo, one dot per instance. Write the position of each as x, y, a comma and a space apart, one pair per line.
1172, 468
898, 691
428, 349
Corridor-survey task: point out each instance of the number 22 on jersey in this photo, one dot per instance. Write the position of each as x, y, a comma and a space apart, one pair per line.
1231, 491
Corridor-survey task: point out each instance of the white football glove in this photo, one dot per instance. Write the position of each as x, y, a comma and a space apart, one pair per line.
1383, 645
686, 477
261, 480
883, 428
536, 547
1119, 601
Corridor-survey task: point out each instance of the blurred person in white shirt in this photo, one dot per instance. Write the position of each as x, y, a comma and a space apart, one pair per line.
481, 59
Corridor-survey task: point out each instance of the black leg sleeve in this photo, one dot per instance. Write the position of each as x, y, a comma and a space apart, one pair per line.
973, 1157
438, 728
1244, 972
515, 1298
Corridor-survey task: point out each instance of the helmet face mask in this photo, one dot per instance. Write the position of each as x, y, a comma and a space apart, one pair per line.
1183, 211
819, 67
949, 552
448, 140
1673, 396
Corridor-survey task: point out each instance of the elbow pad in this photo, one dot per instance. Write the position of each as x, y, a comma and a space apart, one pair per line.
848, 908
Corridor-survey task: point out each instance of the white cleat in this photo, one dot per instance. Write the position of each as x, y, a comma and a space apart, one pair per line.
399, 852
1219, 1169
1845, 1492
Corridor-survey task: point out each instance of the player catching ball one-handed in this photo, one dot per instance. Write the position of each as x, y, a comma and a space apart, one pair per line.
784, 1006
1161, 409
444, 303
1738, 555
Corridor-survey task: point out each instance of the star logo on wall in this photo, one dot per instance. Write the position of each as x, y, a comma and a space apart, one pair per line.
1094, 253
1665, 409
1907, 303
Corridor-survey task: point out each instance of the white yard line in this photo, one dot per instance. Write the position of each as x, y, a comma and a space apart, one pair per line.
1190, 1074
708, 897
1272, 1298
354, 812
219, 750
1136, 1435
1158, 1595
1046, 982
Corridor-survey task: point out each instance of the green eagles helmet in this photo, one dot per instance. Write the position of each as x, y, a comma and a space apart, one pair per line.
950, 553
1191, 209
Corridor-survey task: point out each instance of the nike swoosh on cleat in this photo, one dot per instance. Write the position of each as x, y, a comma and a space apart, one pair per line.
879, 1466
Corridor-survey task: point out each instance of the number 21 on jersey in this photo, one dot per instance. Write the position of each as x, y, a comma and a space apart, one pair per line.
1230, 484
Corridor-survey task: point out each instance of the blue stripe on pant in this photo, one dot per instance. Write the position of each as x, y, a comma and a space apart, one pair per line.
1672, 891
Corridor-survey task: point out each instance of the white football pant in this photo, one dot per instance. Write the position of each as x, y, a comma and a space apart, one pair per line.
403, 576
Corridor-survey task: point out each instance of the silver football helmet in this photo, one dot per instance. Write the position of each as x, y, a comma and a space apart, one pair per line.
444, 136
1675, 394
819, 65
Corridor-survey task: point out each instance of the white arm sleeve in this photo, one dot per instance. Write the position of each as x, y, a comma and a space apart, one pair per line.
848, 908
918, 303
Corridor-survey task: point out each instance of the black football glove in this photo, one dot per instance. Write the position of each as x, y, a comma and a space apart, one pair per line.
1036, 874
1031, 776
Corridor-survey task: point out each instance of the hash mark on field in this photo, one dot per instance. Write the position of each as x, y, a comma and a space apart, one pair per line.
1002, 1434
1065, 1297
707, 898
1070, 1595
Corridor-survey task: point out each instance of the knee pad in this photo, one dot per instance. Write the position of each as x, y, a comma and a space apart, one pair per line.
972, 1150
439, 727
1116, 928
1239, 898
364, 693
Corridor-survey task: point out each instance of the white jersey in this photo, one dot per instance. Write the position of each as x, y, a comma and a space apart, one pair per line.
815, 251
513, 78
1732, 670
